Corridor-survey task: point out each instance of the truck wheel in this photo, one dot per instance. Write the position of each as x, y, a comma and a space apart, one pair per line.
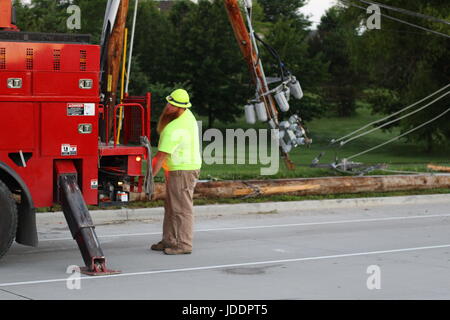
8, 219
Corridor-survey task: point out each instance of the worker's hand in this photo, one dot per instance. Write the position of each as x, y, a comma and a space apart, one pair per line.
158, 161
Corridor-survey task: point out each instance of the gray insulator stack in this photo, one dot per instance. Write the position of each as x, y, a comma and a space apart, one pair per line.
250, 115
281, 100
261, 112
296, 89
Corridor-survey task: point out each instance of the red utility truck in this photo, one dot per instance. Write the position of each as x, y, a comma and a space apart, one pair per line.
55, 136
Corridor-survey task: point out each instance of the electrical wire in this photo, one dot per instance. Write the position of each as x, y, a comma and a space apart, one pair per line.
274, 53
408, 12
380, 30
398, 20
395, 120
390, 116
400, 136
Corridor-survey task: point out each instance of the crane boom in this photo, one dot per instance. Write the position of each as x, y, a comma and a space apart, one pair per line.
112, 48
7, 18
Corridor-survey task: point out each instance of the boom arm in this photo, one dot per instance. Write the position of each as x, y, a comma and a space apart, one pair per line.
112, 49
7, 16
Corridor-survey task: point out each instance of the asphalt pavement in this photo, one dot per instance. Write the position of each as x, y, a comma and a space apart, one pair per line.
375, 252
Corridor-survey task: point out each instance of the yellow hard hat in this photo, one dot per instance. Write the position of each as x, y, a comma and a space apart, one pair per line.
179, 98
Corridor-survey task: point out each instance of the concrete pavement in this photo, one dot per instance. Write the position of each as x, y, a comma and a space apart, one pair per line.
322, 253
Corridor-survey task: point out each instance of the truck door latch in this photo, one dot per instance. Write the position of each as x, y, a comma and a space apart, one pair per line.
86, 84
14, 83
85, 128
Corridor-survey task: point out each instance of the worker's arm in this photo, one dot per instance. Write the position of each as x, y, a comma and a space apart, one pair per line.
158, 161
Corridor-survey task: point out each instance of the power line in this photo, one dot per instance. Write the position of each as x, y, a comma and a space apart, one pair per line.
402, 135
398, 20
334, 141
392, 115
408, 12
395, 120
382, 30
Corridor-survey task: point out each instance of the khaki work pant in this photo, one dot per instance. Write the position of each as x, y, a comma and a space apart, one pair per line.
178, 225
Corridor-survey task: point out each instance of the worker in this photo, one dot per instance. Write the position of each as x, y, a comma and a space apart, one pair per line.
179, 156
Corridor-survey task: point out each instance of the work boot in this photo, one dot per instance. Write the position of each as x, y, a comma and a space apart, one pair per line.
158, 246
173, 251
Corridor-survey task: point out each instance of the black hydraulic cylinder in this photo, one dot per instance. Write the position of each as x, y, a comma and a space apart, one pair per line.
80, 222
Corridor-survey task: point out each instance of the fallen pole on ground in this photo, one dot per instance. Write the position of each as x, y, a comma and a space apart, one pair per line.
438, 168
310, 186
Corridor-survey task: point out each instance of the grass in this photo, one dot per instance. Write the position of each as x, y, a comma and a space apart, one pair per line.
400, 155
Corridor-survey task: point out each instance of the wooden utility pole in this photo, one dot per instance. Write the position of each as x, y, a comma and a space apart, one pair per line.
309, 186
254, 63
250, 55
438, 168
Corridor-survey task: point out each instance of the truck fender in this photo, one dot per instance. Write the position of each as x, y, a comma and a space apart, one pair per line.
26, 229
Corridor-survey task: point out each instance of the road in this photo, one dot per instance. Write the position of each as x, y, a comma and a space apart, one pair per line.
319, 254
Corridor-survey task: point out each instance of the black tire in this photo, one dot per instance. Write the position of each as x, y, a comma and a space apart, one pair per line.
8, 219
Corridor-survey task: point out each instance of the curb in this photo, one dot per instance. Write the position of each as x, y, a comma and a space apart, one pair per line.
123, 215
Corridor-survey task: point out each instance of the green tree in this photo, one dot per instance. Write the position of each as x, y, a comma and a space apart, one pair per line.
208, 57
42, 16
51, 16
291, 44
92, 13
153, 43
334, 42
275, 10
410, 63
139, 80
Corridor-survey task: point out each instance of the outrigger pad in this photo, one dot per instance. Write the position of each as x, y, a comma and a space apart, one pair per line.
99, 269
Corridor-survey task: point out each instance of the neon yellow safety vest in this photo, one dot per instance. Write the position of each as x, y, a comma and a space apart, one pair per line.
180, 139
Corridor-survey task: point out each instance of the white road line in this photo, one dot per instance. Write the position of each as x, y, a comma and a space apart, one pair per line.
347, 255
271, 226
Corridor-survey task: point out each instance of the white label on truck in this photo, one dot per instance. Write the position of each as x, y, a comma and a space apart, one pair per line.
89, 109
68, 150
94, 184
122, 196
81, 109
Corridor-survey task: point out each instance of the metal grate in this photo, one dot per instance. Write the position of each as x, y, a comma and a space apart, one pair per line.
30, 58
56, 59
83, 60
2, 58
